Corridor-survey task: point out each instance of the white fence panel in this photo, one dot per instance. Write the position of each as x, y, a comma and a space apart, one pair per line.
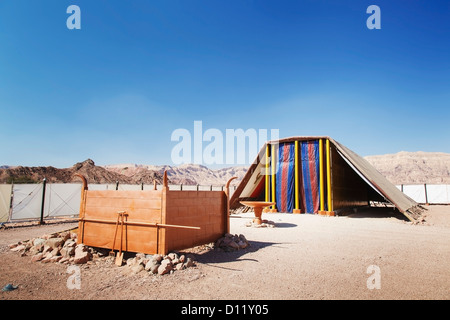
5, 201
438, 193
62, 200
129, 187
101, 187
416, 192
27, 201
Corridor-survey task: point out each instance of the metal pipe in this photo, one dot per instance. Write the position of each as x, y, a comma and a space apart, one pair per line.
44, 184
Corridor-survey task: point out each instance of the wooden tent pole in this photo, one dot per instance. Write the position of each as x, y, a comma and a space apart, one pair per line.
272, 163
329, 199
297, 204
321, 186
267, 195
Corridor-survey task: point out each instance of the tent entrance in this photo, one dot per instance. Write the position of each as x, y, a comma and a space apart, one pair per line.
295, 176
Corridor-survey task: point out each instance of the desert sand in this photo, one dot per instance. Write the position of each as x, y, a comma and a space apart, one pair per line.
302, 257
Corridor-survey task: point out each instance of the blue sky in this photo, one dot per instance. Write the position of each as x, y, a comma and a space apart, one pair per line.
115, 90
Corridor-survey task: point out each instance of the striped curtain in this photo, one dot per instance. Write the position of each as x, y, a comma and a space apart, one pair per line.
285, 177
310, 176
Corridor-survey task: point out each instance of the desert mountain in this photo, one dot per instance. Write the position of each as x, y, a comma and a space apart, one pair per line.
187, 174
413, 167
94, 174
399, 168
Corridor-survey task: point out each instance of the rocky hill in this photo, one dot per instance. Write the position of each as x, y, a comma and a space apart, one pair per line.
413, 167
187, 174
94, 174
399, 168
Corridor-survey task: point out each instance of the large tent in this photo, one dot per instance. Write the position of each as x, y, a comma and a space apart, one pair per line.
317, 175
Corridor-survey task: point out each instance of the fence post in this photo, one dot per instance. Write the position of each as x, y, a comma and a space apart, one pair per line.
44, 183
426, 196
117, 185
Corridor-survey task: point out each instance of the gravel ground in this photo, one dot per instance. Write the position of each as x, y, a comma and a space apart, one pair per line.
302, 257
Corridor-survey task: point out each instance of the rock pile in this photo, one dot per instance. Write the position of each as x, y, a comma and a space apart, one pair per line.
231, 242
58, 247
159, 264
63, 248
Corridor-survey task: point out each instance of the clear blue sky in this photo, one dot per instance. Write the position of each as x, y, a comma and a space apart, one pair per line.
115, 90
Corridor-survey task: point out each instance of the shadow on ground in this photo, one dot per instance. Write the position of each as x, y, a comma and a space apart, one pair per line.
216, 256
374, 212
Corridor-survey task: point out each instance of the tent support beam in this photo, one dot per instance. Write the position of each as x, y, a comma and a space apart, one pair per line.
329, 211
321, 186
273, 164
267, 195
297, 205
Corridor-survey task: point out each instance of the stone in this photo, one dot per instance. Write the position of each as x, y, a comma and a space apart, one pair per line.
81, 248
46, 260
18, 248
173, 256
131, 262
13, 245
55, 258
165, 267
65, 235
140, 256
137, 268
151, 263
36, 249
180, 266
69, 244
38, 241
81, 257
37, 257
55, 252
233, 245
243, 238
48, 255
67, 251
218, 242
157, 257
54, 242
64, 260
189, 262
154, 269
46, 249
82, 254
242, 244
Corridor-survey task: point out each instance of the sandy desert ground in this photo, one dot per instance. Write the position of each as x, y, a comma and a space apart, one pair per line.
302, 257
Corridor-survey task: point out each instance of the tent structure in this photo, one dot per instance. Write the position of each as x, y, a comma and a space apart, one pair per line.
317, 175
